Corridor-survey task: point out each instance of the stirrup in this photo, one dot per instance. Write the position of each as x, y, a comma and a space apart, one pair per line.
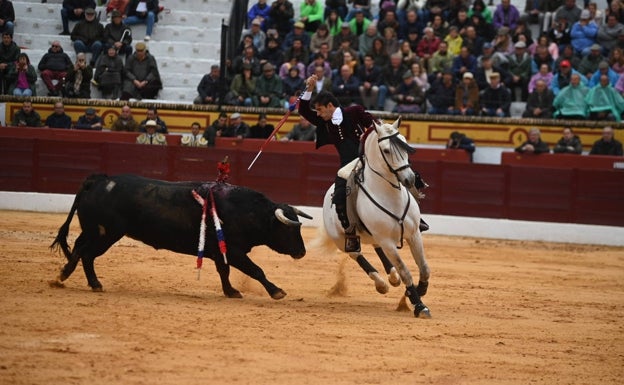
423, 226
352, 243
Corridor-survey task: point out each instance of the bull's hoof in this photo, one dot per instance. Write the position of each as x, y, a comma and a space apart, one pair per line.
422, 288
422, 311
233, 294
56, 283
278, 294
97, 289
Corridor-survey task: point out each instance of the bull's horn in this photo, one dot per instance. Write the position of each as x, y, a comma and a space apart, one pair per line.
279, 214
302, 214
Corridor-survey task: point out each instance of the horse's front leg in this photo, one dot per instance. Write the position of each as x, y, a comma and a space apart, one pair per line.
380, 284
418, 253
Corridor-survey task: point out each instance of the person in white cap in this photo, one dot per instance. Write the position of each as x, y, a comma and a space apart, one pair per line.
467, 96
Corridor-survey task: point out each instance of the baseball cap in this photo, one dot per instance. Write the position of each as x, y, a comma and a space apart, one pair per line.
565, 63
468, 75
299, 25
585, 14
90, 11
90, 111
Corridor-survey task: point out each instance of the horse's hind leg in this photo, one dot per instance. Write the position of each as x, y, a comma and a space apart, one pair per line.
380, 284
393, 275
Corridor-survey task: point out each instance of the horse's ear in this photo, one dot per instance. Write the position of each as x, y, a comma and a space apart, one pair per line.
397, 123
376, 126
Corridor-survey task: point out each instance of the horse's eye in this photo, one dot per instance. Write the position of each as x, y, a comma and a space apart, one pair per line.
386, 151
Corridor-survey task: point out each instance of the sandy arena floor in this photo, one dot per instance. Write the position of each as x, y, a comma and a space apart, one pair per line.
503, 313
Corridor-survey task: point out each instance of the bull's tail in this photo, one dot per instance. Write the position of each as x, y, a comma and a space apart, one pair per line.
60, 242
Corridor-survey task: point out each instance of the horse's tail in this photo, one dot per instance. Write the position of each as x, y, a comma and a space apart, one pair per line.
322, 242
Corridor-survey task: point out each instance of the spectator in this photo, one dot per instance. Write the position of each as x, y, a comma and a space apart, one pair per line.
428, 46
150, 136
281, 15
292, 86
616, 60
441, 60
495, 100
118, 35
570, 102
88, 36
237, 128
26, 116
321, 36
194, 139
302, 131
567, 54
534, 144
262, 129
544, 74
472, 41
563, 78
58, 119
607, 36
458, 140
479, 8
125, 121
141, 76
607, 145
540, 102
323, 83
346, 87
271, 54
209, 88
540, 12
247, 57
334, 22
108, 74
152, 114
7, 17
391, 40
391, 78
603, 69
583, 34
569, 143
441, 95
9, 51
319, 60
78, 80
379, 52
22, 77
568, 11
297, 32
366, 40
464, 62
268, 89
359, 5
89, 121
311, 13
483, 28
142, 12
409, 97
604, 102
420, 76
590, 62
258, 37
218, 126
298, 52
260, 12
482, 74
559, 33
242, 88
119, 5
544, 41
520, 70
54, 66
467, 96
506, 15
454, 40
503, 44
74, 10
338, 6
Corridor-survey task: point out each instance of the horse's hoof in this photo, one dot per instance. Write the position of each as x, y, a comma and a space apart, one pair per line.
278, 294
422, 312
394, 278
56, 283
382, 287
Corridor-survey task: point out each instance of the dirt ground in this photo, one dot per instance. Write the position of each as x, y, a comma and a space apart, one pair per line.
504, 312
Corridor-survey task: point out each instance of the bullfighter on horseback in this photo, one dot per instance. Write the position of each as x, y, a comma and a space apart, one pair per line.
342, 127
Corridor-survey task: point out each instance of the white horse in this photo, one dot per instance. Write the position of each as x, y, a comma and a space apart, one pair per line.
388, 212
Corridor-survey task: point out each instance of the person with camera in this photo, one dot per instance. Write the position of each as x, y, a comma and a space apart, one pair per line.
78, 80
22, 77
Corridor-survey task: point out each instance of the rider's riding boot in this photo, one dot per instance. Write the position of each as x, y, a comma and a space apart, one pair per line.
423, 226
352, 241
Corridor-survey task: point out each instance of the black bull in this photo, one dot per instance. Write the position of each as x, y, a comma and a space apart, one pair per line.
165, 215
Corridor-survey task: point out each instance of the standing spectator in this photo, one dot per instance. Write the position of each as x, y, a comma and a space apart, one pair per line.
150, 136
534, 144
7, 17
604, 102
262, 129
607, 145
569, 143
281, 15
58, 119
22, 77
54, 65
74, 10
242, 88
302, 131
540, 102
495, 100
237, 128
467, 96
570, 102
583, 34
78, 80
142, 12
209, 88
194, 139
215, 129
88, 36
141, 76
125, 121
118, 35
268, 89
89, 121
9, 51
26, 116
152, 115
458, 140
441, 95
108, 74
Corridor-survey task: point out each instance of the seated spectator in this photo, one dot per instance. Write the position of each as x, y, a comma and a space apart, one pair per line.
78, 80
108, 74
604, 102
540, 102
208, 88
9, 51
357, 6
472, 41
141, 76
259, 11
569, 143
365, 41
269, 89
441, 60
262, 129
559, 33
570, 102
391, 78
218, 125
454, 40
89, 121
142, 12
441, 95
590, 62
540, 12
298, 32
409, 97
302, 131
479, 8
467, 96
242, 88
567, 53
150, 136
379, 52
346, 87
292, 86
370, 76
311, 14
544, 41
74, 10
439, 26
520, 70
152, 114
564, 76
583, 34
458, 140
319, 60
544, 74
237, 128
58, 119
603, 69
607, 36
409, 57
119, 5
464, 62
54, 66
568, 11
281, 16
421, 77
88, 36
293, 61
194, 139
26, 116
483, 73
323, 83
616, 60
534, 144
118, 35
258, 37
272, 53
503, 43
322, 36
22, 77
125, 121
607, 145
428, 46
495, 100
7, 17
506, 15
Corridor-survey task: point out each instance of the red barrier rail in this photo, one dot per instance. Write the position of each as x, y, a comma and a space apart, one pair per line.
566, 161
